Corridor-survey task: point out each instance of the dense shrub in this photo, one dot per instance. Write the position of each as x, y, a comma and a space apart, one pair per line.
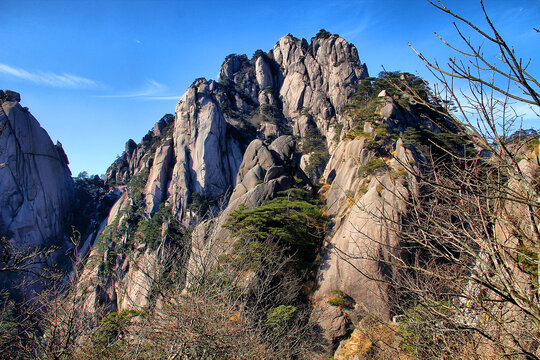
340, 299
292, 219
373, 166
323, 34
280, 316
200, 203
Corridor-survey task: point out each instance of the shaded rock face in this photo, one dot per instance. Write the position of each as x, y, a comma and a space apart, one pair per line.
36, 190
307, 83
35, 182
129, 278
266, 170
288, 90
354, 203
262, 165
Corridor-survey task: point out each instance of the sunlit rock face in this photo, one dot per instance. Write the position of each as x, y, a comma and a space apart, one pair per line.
239, 140
230, 142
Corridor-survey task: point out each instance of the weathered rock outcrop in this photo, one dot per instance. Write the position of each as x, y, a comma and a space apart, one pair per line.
201, 164
267, 169
318, 78
36, 193
114, 278
36, 188
356, 201
202, 152
207, 154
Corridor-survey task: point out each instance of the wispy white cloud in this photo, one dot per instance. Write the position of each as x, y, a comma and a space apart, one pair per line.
48, 78
362, 25
150, 91
177, 97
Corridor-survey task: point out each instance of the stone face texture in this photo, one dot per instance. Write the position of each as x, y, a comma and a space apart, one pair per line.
207, 152
263, 73
158, 179
207, 156
35, 182
317, 78
354, 202
265, 171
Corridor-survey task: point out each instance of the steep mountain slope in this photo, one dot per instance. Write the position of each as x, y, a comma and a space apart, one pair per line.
35, 181
196, 158
237, 150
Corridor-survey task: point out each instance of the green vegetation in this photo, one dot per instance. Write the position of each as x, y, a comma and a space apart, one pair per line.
257, 53
9, 322
110, 335
316, 164
314, 143
323, 34
358, 133
421, 332
382, 130
292, 221
91, 204
132, 226
533, 144
339, 130
138, 182
281, 316
372, 145
150, 231
412, 138
399, 86
374, 166
527, 260
340, 299
438, 143
270, 113
396, 84
110, 234
200, 203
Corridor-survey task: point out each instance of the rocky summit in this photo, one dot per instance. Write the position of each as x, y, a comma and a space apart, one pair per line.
273, 200
268, 124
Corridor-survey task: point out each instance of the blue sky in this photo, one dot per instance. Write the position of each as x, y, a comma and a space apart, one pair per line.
96, 73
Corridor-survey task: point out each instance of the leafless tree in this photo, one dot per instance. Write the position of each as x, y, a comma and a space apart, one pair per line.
466, 272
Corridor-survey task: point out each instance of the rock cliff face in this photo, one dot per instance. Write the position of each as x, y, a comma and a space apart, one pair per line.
267, 124
201, 155
36, 188
34, 177
288, 90
207, 153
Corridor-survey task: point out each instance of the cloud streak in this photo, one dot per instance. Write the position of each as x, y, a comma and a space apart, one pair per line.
150, 91
63, 80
